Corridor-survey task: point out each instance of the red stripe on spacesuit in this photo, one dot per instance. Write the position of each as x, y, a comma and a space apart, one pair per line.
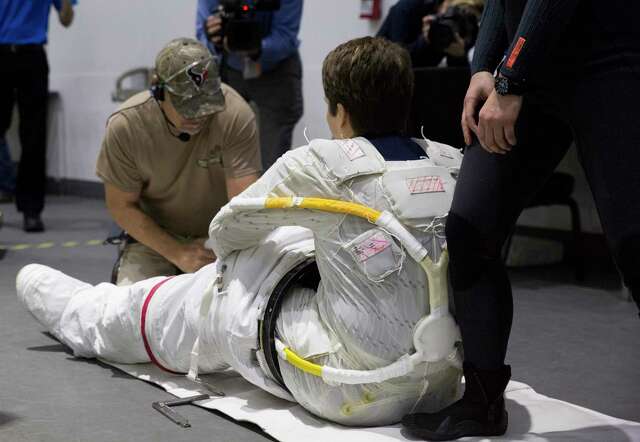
143, 322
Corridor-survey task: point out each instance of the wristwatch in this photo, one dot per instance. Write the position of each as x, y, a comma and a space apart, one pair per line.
505, 86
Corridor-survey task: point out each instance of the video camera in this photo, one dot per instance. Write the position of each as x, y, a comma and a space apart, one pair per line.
240, 25
455, 19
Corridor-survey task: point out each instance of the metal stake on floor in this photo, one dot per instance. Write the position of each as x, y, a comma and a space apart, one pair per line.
164, 407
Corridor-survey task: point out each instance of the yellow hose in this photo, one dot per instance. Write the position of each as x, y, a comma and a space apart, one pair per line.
325, 205
302, 364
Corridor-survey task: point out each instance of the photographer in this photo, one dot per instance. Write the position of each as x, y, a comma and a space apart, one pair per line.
269, 73
172, 158
434, 29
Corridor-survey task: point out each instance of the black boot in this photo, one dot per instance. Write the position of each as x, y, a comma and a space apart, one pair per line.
480, 412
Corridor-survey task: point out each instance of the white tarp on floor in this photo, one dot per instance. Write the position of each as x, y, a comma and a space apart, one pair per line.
532, 416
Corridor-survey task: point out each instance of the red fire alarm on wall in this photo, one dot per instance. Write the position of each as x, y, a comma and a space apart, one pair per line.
370, 9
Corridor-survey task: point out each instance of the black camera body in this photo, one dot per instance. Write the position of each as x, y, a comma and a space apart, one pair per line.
454, 20
239, 23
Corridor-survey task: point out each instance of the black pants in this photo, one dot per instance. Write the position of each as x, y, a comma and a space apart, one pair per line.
278, 96
24, 78
600, 113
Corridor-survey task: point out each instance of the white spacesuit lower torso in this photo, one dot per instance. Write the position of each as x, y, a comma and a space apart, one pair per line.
362, 316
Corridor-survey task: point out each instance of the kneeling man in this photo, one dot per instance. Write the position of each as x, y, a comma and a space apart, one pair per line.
336, 290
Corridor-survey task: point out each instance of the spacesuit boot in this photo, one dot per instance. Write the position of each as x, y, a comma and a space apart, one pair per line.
46, 293
480, 412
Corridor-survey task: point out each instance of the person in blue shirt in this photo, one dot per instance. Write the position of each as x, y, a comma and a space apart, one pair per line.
24, 79
270, 76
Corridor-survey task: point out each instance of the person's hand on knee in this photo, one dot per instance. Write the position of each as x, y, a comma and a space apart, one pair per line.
480, 87
496, 122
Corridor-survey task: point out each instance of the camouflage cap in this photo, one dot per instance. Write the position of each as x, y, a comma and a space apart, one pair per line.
190, 74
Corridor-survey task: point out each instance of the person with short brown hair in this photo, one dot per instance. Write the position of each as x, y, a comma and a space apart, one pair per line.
370, 77
172, 158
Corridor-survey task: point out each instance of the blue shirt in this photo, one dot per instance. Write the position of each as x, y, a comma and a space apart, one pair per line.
26, 21
397, 148
281, 29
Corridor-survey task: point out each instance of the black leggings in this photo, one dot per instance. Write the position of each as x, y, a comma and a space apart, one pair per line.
492, 191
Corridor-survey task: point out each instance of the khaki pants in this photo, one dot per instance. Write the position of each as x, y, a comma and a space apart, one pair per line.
139, 262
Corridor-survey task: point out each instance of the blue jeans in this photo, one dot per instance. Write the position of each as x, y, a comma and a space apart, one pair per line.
7, 169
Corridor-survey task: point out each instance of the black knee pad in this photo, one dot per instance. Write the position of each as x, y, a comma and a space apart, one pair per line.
471, 252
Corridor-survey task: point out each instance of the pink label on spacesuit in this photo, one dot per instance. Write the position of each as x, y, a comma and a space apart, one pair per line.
371, 246
425, 184
352, 149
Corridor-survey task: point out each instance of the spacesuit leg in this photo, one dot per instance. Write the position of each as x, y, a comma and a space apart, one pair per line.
94, 321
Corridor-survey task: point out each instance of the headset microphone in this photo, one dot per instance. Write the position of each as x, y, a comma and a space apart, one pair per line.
182, 136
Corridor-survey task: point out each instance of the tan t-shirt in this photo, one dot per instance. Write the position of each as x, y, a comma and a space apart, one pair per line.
182, 184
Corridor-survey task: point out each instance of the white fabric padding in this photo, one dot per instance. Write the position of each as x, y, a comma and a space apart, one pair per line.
532, 416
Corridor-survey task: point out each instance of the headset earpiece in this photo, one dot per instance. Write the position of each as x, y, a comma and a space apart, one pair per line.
157, 88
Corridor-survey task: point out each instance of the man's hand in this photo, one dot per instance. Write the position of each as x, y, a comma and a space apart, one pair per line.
192, 256
426, 25
213, 27
65, 15
496, 125
480, 87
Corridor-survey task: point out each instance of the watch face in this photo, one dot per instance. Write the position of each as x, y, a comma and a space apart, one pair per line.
502, 86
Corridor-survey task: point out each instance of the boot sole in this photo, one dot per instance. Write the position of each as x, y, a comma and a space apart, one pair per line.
463, 429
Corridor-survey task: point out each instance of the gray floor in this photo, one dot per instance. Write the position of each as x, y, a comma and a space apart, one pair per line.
576, 343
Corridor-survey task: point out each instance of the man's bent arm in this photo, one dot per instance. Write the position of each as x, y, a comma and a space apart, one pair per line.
123, 207
235, 186
233, 229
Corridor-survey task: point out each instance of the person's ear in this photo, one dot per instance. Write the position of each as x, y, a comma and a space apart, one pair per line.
342, 116
343, 119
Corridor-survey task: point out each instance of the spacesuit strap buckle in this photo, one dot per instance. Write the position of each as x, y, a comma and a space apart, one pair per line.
205, 306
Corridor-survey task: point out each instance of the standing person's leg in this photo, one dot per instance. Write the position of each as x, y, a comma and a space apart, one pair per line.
605, 120
7, 172
32, 93
278, 95
234, 79
7, 100
490, 194
492, 190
